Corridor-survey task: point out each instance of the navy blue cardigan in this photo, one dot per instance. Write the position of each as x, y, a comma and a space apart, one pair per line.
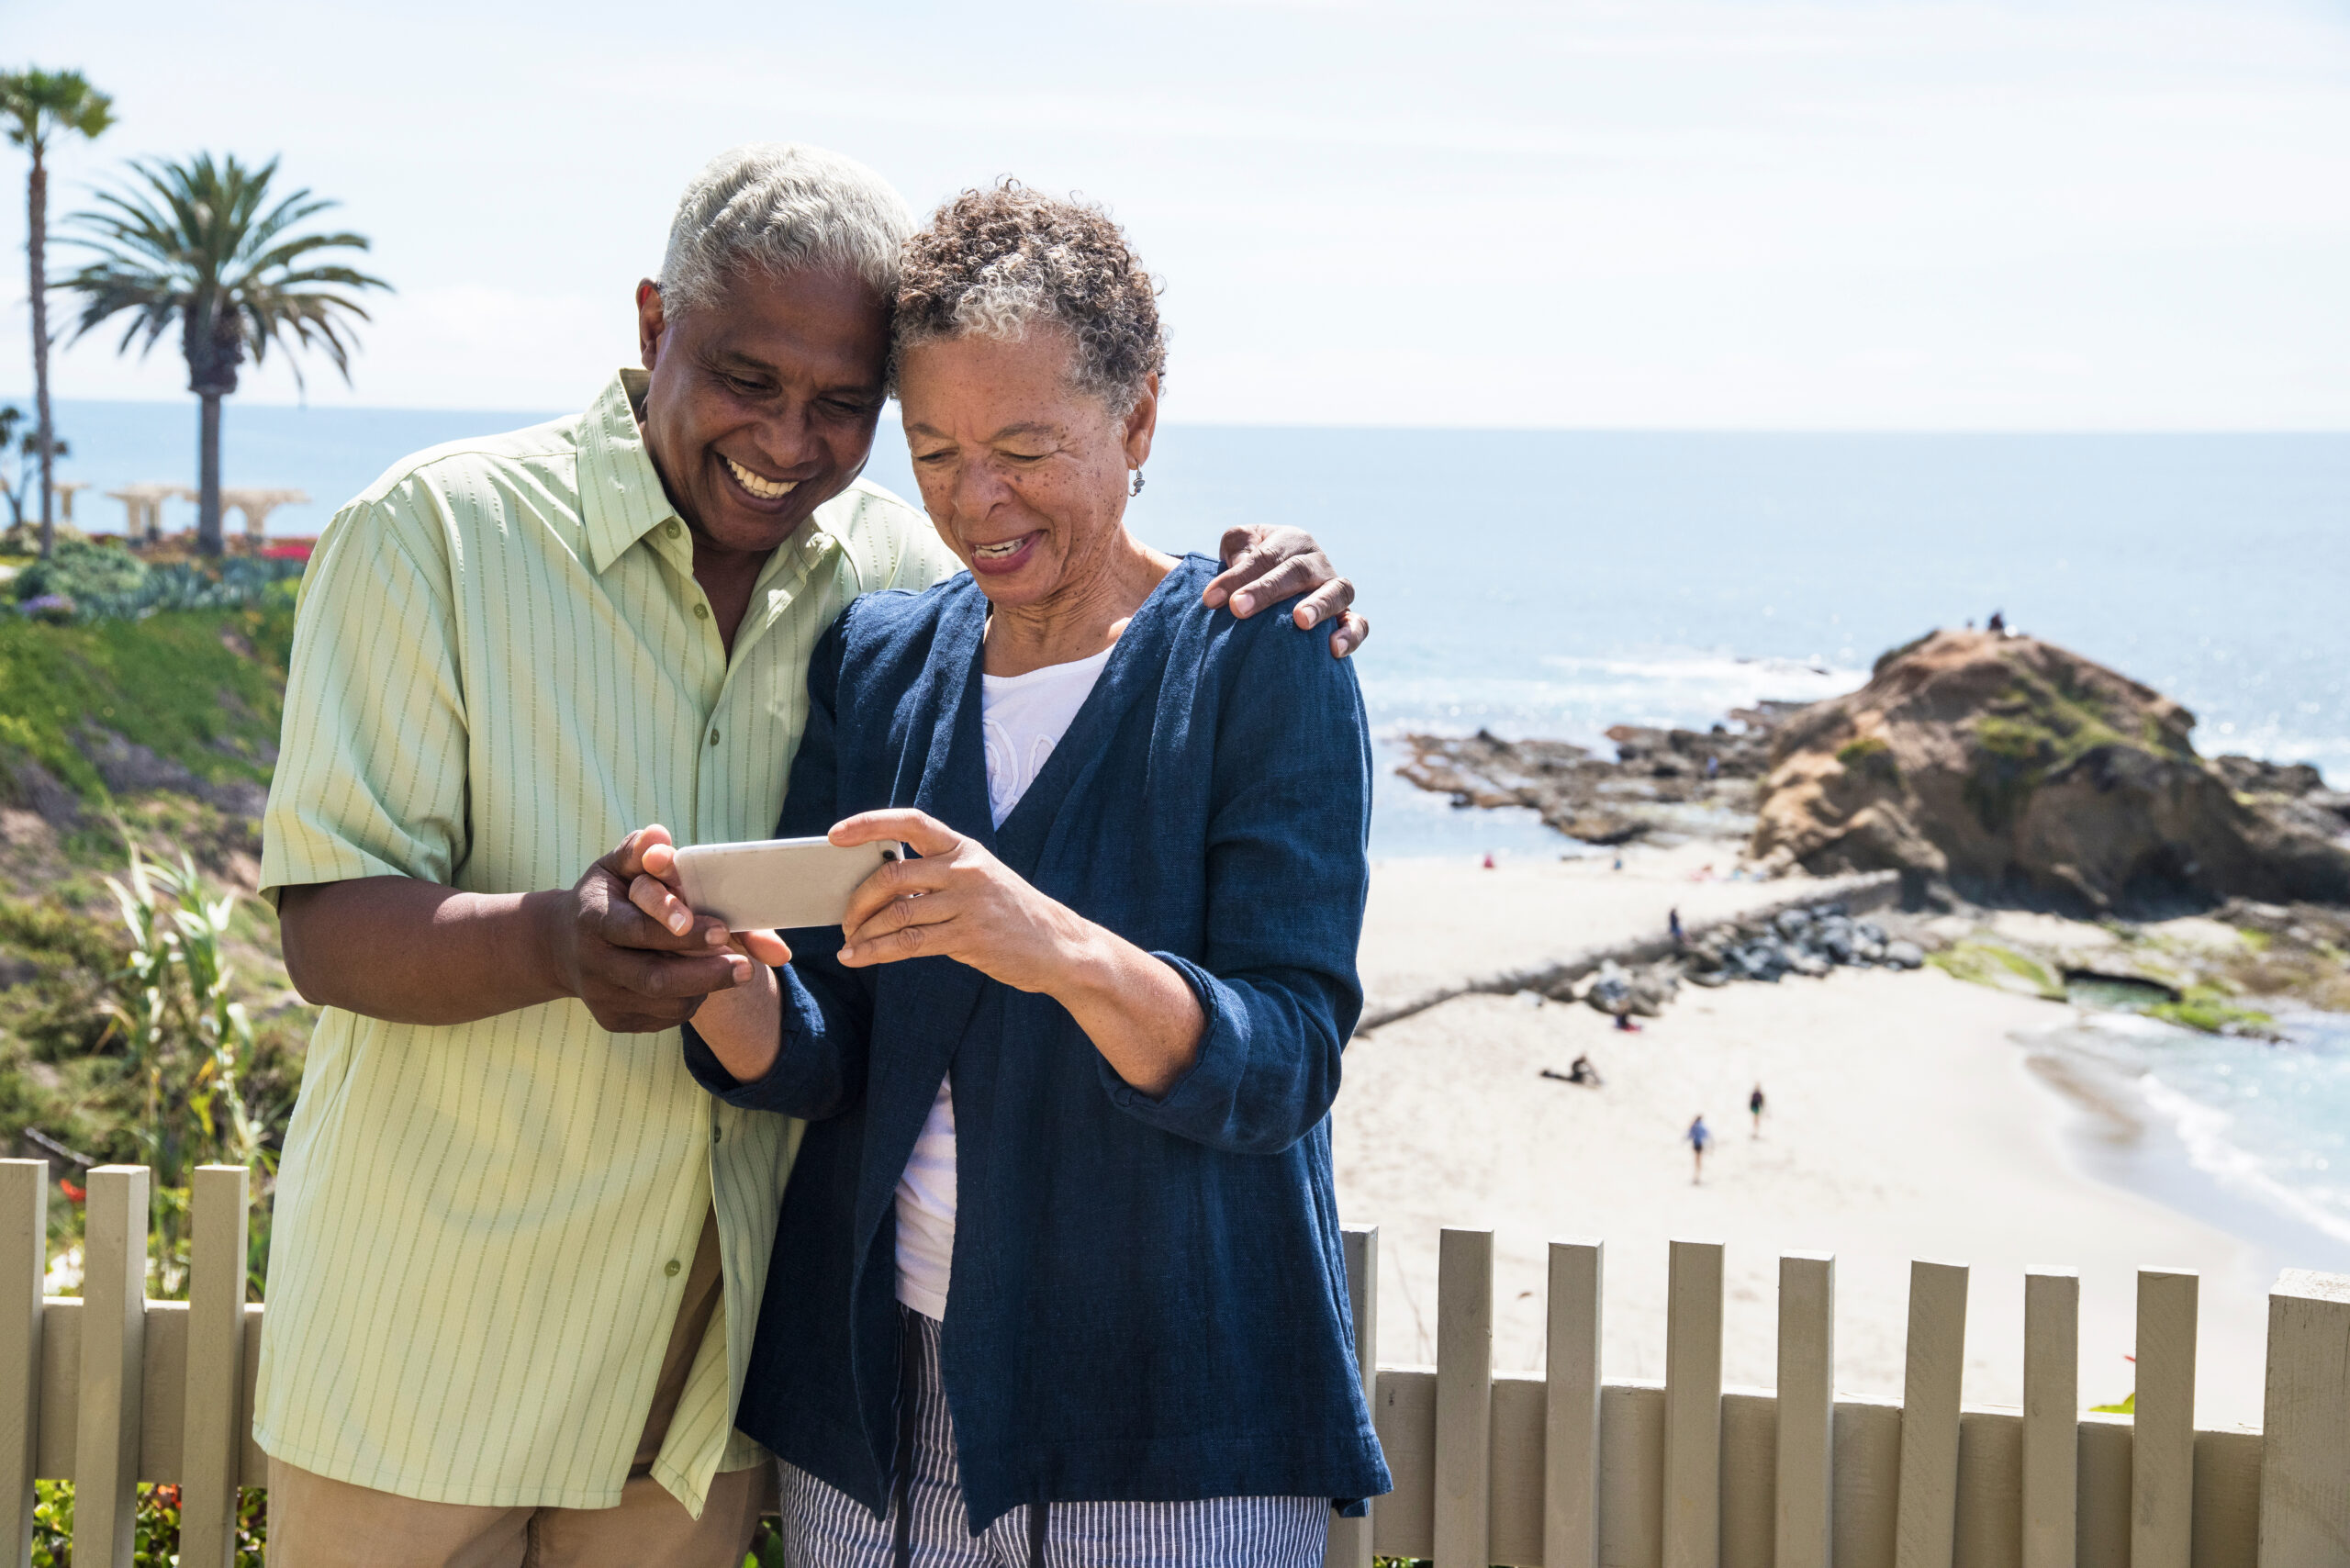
1149, 1300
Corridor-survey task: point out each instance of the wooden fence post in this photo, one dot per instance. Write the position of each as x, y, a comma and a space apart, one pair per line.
114, 1343
212, 1446
24, 1264
1693, 1406
1464, 1398
1349, 1544
1570, 1409
1806, 1470
2162, 1447
1926, 1518
2052, 1416
2305, 1423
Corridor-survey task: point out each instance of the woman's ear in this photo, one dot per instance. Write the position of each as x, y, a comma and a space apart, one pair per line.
1142, 422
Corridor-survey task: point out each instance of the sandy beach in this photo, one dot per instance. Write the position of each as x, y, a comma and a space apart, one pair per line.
1905, 1122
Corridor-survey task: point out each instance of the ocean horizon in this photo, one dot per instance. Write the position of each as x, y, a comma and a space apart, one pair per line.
1556, 582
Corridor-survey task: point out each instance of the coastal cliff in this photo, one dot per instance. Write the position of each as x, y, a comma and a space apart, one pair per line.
2009, 770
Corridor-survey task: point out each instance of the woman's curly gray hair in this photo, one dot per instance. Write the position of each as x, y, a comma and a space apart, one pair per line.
993, 261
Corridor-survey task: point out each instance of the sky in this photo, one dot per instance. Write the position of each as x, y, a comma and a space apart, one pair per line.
1677, 214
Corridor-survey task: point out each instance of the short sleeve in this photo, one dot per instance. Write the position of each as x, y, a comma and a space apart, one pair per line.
370, 769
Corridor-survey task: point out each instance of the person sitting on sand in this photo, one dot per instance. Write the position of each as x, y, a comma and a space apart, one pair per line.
1060, 1264
1697, 1137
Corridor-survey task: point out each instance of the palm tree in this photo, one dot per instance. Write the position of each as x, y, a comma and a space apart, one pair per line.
38, 105
201, 246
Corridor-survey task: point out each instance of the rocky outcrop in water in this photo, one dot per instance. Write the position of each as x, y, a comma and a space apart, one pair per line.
1695, 780
2009, 770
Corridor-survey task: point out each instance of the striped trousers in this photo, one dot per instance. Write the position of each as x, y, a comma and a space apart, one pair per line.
928, 1528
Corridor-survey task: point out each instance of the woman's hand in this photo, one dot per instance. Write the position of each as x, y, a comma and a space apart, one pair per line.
959, 902
744, 1026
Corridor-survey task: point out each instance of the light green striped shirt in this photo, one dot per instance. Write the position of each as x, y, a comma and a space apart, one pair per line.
502, 664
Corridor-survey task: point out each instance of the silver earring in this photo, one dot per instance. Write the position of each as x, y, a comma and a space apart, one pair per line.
1137, 489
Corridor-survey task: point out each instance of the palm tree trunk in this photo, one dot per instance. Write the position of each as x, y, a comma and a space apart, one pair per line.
45, 433
207, 464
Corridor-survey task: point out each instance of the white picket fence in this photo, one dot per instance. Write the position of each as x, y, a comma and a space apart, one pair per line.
1558, 1471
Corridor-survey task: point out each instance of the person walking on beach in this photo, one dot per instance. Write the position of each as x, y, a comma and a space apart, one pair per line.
510, 651
1755, 1108
1697, 1137
1672, 923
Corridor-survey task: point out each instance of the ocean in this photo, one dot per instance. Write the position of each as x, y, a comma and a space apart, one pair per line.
1554, 583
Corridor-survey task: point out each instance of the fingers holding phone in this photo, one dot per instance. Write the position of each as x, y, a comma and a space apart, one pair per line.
659, 890
635, 973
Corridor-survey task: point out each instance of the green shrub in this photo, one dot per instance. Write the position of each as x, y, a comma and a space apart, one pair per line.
157, 1534
79, 570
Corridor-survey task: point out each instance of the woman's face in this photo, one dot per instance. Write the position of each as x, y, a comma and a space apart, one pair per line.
1024, 476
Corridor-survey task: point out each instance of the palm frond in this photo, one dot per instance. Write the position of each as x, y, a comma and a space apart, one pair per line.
203, 243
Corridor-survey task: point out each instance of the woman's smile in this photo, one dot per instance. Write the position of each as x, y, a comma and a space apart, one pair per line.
1004, 555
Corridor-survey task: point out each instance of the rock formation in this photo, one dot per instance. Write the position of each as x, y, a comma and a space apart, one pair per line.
2009, 770
1658, 777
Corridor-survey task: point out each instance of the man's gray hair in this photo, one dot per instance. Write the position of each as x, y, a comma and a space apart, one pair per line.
778, 208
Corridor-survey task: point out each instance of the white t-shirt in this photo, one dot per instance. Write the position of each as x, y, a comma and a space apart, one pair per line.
1022, 718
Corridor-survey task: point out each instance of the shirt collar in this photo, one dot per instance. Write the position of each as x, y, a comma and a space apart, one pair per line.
620, 495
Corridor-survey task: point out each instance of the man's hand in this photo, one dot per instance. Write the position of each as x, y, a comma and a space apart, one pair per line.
637, 973
1266, 565
742, 1024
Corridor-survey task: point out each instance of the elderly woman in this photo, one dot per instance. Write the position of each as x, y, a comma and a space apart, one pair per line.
1057, 1276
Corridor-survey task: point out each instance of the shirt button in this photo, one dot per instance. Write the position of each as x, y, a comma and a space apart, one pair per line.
702, 612
713, 737
671, 1267
672, 529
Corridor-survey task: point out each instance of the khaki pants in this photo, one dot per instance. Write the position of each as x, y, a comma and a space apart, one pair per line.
318, 1523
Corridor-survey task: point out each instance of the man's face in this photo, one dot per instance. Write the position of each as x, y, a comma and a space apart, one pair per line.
762, 400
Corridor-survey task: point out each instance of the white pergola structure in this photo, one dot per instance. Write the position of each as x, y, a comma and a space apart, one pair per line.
64, 489
143, 507
257, 505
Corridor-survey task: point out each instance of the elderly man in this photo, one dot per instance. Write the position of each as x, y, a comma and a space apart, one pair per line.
518, 1253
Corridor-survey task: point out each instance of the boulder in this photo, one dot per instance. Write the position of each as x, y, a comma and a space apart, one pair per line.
2009, 770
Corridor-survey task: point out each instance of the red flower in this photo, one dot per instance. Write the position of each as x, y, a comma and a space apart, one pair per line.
76, 1194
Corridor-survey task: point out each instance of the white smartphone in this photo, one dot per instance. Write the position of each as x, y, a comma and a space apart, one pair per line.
777, 883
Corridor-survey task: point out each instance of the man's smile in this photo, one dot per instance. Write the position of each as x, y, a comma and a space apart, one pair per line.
762, 488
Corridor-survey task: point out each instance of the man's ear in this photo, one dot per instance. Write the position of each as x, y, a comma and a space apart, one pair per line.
1142, 422
651, 322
